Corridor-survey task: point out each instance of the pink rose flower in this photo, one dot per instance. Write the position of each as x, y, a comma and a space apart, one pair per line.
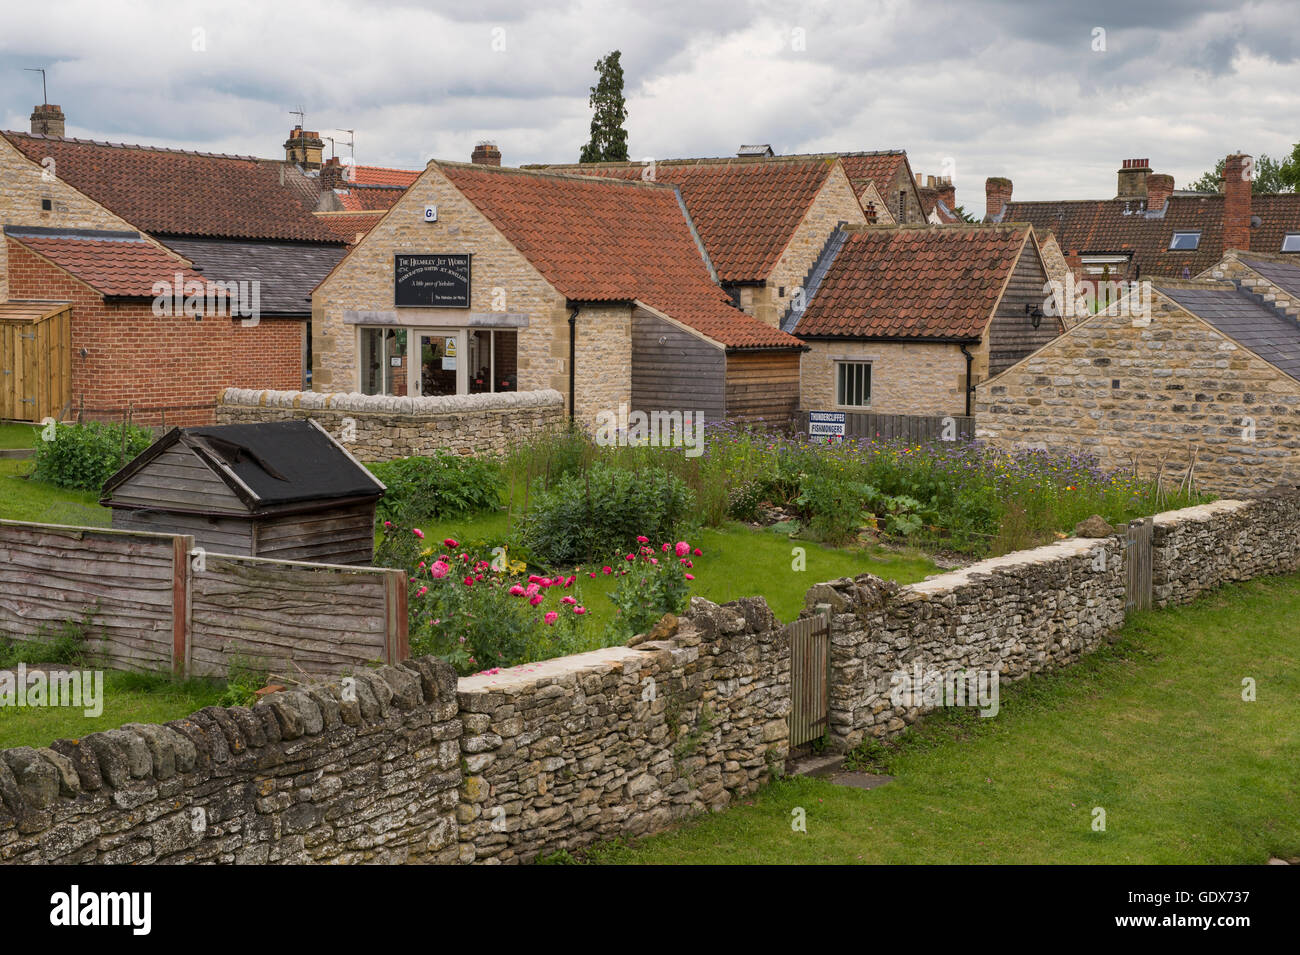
690, 576
568, 600
551, 617
536, 599
450, 543
533, 589
579, 610
698, 552
516, 591
683, 548
422, 591
469, 581
607, 570
643, 540
440, 569
417, 532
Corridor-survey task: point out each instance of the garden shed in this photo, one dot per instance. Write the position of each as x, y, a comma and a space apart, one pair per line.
280, 489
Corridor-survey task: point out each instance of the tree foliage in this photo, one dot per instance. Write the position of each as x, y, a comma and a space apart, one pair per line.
1271, 175
608, 137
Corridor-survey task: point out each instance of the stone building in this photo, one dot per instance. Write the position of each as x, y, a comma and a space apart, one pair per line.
484, 279
906, 320
1205, 377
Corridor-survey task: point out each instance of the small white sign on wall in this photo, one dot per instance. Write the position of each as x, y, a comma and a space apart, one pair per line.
826, 424
430, 213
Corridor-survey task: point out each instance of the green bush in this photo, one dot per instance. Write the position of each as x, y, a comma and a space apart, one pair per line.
831, 505
423, 488
86, 455
602, 510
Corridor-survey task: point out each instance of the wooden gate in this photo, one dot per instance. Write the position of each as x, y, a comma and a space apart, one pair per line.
1138, 556
810, 671
35, 360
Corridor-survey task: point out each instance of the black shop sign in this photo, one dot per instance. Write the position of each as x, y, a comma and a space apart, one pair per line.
431, 281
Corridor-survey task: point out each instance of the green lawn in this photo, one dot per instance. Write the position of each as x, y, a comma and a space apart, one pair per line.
1154, 731
18, 435
22, 499
128, 698
738, 562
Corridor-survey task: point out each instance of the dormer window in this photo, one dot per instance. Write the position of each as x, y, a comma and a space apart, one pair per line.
1291, 242
1184, 242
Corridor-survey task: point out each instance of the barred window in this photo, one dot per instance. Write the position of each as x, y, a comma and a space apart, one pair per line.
853, 383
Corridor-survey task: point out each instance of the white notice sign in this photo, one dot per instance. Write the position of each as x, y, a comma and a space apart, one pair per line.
826, 424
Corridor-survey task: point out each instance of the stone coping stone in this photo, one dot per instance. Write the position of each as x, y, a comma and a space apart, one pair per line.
1046, 554
391, 404
1199, 512
528, 674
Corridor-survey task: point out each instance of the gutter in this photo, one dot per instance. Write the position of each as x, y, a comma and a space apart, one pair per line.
970, 359
573, 341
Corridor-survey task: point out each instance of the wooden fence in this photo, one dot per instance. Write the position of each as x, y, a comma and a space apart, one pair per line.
154, 603
913, 429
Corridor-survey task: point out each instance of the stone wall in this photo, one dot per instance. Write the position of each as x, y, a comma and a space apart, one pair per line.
1149, 394
405, 764
365, 771
906, 378
1019, 614
381, 428
624, 741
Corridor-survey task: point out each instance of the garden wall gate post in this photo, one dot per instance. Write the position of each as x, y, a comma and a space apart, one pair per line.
1138, 558
810, 676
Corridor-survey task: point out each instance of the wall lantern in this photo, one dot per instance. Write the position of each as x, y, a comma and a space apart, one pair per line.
1035, 314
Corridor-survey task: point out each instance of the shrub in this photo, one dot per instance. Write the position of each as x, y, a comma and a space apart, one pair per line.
422, 488
84, 456
652, 584
832, 505
602, 510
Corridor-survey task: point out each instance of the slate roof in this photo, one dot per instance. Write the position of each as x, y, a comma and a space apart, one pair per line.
1270, 335
119, 264
928, 284
1284, 275
180, 193
746, 209
598, 240
1125, 226
279, 462
286, 272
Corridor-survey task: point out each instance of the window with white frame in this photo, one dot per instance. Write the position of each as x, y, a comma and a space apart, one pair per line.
853, 384
1291, 242
1184, 242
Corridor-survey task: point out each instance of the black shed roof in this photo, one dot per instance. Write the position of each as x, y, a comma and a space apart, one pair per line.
269, 467
287, 272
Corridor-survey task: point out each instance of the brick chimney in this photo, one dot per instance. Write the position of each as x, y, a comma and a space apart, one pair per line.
304, 147
997, 193
486, 154
1238, 171
332, 174
1133, 179
948, 192
1160, 187
47, 120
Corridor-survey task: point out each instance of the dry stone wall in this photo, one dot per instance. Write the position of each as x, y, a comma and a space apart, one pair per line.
381, 428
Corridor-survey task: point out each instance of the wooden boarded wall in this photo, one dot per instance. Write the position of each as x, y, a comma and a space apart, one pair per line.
156, 604
674, 370
763, 386
35, 366
1011, 332
125, 581
290, 616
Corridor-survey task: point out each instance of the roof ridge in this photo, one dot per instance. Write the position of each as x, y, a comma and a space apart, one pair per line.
551, 173
156, 149
809, 158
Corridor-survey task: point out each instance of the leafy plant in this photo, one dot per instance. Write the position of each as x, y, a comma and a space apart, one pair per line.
602, 510
86, 455
652, 584
423, 488
245, 675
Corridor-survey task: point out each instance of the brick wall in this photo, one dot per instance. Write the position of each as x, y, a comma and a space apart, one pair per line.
1146, 393
123, 355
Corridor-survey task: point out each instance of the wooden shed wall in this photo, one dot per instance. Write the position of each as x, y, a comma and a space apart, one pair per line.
340, 535
763, 385
177, 478
685, 373
36, 367
1011, 334
221, 535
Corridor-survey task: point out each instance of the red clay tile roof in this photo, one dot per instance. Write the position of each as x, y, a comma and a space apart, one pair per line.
746, 209
599, 241
933, 283
173, 192
369, 199
111, 266
384, 176
877, 168
1124, 225
348, 225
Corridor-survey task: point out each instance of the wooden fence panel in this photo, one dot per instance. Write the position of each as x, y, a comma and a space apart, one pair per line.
910, 429
124, 581
292, 616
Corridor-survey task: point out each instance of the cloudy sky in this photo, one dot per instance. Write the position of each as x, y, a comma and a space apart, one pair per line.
1052, 95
